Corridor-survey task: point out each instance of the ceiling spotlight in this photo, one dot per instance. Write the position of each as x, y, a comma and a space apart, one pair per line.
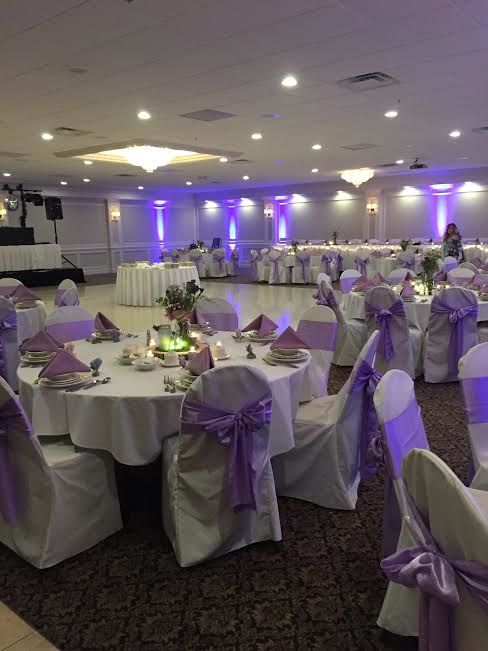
455, 134
223, 159
86, 180
7, 174
189, 183
289, 81
47, 136
64, 182
88, 162
400, 161
245, 178
315, 170
140, 187
316, 147
257, 136
144, 115
391, 114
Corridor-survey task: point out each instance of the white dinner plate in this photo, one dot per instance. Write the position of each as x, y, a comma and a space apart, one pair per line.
300, 356
25, 305
62, 381
38, 359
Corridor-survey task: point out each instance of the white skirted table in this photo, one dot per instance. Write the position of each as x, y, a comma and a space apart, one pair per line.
417, 311
30, 321
30, 256
132, 415
140, 286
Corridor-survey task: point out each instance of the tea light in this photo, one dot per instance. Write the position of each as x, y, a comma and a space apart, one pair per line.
220, 351
149, 353
152, 344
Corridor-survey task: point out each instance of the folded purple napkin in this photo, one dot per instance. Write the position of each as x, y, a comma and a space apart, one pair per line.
377, 279
62, 363
201, 362
262, 324
483, 289
39, 343
363, 283
103, 323
478, 280
477, 262
23, 293
289, 339
407, 290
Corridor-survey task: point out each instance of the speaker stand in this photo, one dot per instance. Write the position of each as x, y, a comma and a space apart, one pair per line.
56, 241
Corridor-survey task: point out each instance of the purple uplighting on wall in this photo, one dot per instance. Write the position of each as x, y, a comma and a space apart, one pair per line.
159, 213
441, 213
282, 221
231, 216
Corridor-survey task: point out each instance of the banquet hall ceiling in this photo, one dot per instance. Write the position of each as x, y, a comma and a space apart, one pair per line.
91, 65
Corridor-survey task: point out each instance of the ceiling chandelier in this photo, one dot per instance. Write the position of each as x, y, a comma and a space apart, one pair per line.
357, 177
149, 157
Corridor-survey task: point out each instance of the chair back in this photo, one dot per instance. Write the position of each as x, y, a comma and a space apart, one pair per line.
362, 260
451, 332
196, 257
218, 312
406, 260
402, 429
469, 265
8, 286
318, 328
70, 323
66, 293
233, 264
385, 312
460, 276
254, 264
449, 263
398, 275
9, 348
347, 280
218, 259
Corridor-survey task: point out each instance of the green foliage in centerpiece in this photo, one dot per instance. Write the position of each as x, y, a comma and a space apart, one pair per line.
179, 303
404, 244
430, 265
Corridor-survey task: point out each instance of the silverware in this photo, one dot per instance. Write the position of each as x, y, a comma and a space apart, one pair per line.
166, 383
105, 380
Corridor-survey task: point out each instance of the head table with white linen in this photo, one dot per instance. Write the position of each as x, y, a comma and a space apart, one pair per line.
140, 285
132, 414
30, 256
417, 311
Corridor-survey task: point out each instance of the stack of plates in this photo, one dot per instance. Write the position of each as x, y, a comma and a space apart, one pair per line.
105, 334
255, 336
483, 297
37, 358
408, 299
25, 305
65, 381
282, 355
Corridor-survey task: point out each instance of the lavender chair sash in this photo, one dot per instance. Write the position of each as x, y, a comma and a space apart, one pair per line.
319, 335
11, 416
340, 264
456, 318
440, 276
326, 260
383, 317
9, 322
219, 258
361, 265
304, 263
475, 392
254, 268
225, 321
436, 576
71, 330
276, 262
407, 264
7, 290
238, 432
366, 380
329, 300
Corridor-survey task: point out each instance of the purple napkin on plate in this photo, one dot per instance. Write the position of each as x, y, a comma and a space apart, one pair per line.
363, 283
262, 324
201, 362
62, 363
23, 293
407, 290
40, 343
478, 280
289, 339
103, 323
377, 279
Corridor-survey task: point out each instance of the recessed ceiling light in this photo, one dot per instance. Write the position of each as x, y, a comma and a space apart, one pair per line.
86, 180
315, 170
317, 147
7, 174
140, 187
257, 136
64, 182
455, 134
223, 159
400, 161
144, 115
391, 114
47, 136
271, 116
289, 81
189, 183
245, 177
88, 162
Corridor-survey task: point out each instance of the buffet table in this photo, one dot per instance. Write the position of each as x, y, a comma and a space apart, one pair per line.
132, 415
36, 256
142, 285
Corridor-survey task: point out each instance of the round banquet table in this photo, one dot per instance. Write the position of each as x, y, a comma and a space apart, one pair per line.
30, 321
131, 415
417, 311
140, 286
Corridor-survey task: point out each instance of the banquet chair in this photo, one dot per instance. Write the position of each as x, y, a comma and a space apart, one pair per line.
449, 263
218, 312
469, 265
399, 346
318, 328
451, 332
473, 374
253, 263
9, 348
218, 489
260, 267
447, 535
233, 264
460, 276
324, 466
362, 261
55, 501
398, 275
217, 266
347, 280
278, 273
8, 285
175, 255
406, 260
351, 333
166, 255
66, 293
301, 271
196, 257
70, 323
328, 265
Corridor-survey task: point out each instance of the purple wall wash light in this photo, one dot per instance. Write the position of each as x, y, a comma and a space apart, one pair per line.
231, 218
159, 213
282, 221
441, 213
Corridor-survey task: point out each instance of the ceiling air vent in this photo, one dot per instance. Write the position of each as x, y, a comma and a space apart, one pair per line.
13, 154
387, 165
368, 81
482, 130
126, 176
240, 161
207, 115
68, 132
359, 146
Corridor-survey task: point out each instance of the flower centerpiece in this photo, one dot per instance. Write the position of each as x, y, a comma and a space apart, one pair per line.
179, 303
294, 245
430, 264
334, 238
404, 244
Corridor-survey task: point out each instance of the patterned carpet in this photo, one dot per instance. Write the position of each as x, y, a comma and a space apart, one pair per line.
320, 588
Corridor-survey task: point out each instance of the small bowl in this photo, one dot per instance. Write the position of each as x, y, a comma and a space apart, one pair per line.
124, 360
146, 363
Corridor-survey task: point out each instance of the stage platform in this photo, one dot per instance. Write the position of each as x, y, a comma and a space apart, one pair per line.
45, 277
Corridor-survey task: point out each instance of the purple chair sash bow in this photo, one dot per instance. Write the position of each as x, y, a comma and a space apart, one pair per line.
456, 318
254, 268
326, 261
9, 322
340, 264
382, 317
197, 259
175, 256
220, 259
361, 265
475, 392
407, 264
11, 415
237, 431
304, 262
435, 575
366, 380
276, 269
329, 300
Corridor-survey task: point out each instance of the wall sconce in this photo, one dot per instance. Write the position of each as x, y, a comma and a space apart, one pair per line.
269, 211
115, 215
372, 206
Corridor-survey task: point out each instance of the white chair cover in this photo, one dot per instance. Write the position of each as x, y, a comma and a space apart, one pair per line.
8, 285
469, 265
301, 270
398, 275
67, 297
9, 347
278, 273
451, 332
362, 262
473, 374
217, 266
259, 267
175, 255
347, 280
55, 501
233, 264
218, 312
324, 466
196, 257
70, 323
449, 263
318, 328
199, 467
399, 346
460, 276
328, 265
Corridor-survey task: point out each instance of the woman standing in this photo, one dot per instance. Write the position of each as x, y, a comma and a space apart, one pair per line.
453, 243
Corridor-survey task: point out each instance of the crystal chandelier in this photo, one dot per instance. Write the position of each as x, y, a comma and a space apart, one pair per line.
148, 157
357, 177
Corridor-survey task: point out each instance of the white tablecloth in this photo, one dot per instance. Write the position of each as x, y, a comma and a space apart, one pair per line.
30, 321
142, 285
132, 415
417, 312
36, 256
